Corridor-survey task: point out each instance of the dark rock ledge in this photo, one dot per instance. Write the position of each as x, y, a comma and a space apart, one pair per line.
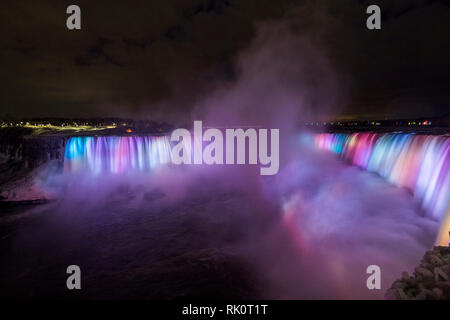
430, 280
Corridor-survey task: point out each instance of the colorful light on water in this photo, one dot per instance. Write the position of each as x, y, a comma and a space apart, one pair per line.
420, 163
116, 154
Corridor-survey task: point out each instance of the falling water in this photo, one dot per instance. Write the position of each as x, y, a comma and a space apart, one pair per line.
116, 154
420, 163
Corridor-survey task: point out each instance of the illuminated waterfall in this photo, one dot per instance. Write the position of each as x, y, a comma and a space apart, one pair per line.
420, 163
116, 154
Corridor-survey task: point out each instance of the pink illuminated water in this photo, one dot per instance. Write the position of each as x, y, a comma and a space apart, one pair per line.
420, 163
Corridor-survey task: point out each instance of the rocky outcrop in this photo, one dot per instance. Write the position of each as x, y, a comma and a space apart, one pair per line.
430, 280
18, 144
22, 156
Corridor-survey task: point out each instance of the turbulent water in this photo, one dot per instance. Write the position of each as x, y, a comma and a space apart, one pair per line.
420, 163
142, 228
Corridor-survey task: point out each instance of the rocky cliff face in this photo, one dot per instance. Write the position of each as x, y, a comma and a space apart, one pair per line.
19, 145
430, 280
22, 154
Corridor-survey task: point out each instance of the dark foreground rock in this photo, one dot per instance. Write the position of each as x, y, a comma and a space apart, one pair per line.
430, 280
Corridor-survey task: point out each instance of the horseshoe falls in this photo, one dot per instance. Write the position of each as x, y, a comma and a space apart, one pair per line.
420, 163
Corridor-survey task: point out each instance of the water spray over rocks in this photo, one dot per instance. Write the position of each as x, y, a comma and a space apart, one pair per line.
430, 280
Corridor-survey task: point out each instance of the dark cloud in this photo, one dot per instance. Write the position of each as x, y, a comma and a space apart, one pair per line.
145, 58
96, 53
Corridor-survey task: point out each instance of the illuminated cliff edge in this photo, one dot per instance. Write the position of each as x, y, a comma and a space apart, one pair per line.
419, 163
114, 154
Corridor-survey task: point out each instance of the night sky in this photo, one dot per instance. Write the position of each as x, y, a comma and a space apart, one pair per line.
144, 58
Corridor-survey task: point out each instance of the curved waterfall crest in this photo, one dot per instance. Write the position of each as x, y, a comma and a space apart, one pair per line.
420, 163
